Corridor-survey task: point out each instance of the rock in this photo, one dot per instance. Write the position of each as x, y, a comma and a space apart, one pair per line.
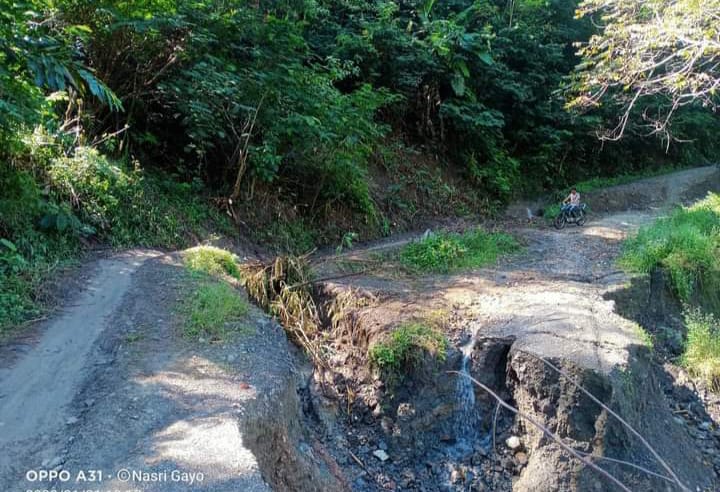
706, 426
405, 411
381, 455
71, 421
382, 445
456, 476
521, 458
56, 461
513, 442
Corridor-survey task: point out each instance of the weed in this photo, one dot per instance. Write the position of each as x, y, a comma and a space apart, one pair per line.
406, 347
446, 252
702, 348
212, 261
212, 310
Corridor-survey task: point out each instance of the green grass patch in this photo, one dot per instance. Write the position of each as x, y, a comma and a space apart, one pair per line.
448, 251
687, 245
406, 347
702, 349
213, 310
212, 261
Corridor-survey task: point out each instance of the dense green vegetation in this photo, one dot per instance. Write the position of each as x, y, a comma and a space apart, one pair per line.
702, 349
305, 121
448, 251
687, 245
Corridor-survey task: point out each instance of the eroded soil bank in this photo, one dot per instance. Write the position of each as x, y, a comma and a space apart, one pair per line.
561, 299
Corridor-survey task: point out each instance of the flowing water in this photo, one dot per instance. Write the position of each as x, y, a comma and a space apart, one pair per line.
467, 418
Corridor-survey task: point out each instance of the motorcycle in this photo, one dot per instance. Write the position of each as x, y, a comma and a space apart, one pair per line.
568, 216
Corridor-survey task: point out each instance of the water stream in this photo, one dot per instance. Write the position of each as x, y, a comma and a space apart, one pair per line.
467, 419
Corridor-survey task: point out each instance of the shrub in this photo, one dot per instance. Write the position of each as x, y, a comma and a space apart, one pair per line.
446, 252
128, 207
212, 261
210, 310
702, 348
406, 347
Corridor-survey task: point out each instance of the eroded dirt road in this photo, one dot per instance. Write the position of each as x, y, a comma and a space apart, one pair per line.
110, 388
110, 385
558, 299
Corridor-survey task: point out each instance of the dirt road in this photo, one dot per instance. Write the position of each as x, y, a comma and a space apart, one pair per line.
111, 389
557, 299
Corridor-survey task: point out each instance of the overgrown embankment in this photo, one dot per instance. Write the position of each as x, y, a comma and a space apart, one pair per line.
54, 208
685, 248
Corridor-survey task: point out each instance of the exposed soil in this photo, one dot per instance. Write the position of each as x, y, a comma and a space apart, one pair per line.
562, 299
109, 383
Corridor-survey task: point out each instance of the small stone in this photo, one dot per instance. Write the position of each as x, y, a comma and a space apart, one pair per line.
231, 358
71, 421
405, 411
56, 461
89, 402
381, 455
521, 458
382, 445
456, 476
513, 442
706, 426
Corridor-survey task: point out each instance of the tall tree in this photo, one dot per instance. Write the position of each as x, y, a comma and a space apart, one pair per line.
651, 58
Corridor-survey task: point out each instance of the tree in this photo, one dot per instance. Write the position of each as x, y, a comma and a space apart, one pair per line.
651, 58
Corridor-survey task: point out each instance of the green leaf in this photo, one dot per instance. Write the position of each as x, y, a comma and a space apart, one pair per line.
8, 244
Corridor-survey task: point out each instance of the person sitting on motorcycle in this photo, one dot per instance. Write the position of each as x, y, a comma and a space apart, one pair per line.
572, 202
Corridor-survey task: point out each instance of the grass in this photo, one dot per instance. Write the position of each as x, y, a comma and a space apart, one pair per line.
212, 310
446, 252
687, 245
212, 261
702, 349
406, 347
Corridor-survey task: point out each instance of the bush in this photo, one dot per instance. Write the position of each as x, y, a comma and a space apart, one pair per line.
128, 207
687, 244
48, 205
212, 261
446, 252
702, 348
406, 347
